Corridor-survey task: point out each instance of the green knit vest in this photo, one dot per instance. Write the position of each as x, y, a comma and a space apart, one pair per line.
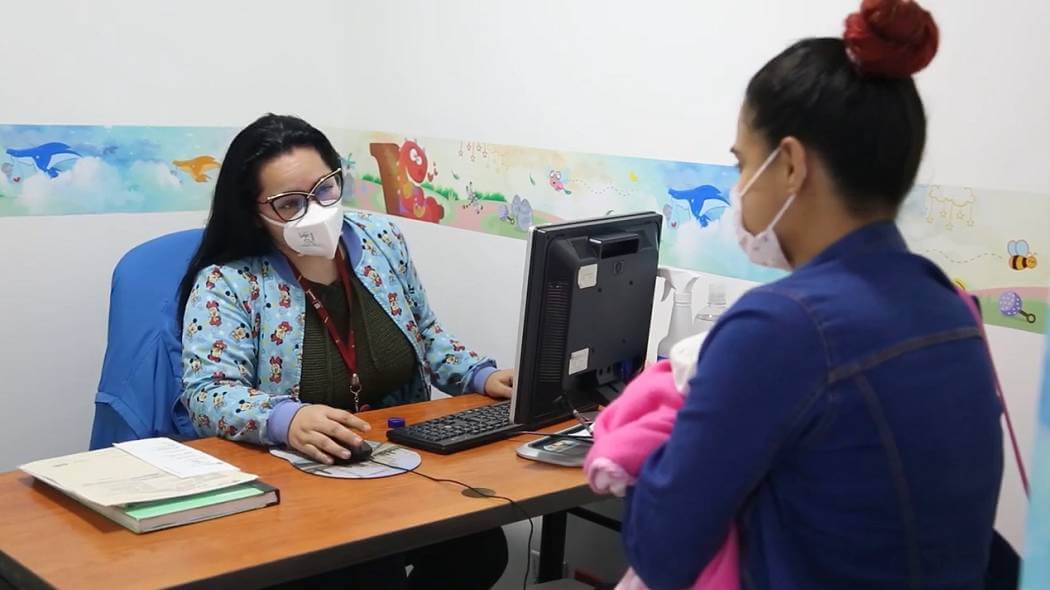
385, 358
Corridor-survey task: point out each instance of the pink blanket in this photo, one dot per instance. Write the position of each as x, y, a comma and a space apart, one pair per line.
625, 434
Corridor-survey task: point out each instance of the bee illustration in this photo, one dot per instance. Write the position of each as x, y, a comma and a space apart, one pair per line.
1020, 255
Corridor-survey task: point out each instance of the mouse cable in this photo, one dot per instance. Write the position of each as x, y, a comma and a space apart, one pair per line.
481, 494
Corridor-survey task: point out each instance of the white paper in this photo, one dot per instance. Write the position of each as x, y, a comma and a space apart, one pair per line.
174, 457
587, 276
578, 361
112, 477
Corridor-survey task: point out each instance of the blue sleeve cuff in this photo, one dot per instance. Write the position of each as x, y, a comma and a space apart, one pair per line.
280, 420
480, 378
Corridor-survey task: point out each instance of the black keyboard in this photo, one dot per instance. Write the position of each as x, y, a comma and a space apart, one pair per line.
459, 431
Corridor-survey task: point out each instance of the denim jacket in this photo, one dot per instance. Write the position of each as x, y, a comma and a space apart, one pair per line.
242, 336
845, 419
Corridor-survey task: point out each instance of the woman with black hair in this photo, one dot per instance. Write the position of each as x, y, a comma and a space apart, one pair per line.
845, 417
298, 314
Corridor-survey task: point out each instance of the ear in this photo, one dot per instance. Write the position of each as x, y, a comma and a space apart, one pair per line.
794, 153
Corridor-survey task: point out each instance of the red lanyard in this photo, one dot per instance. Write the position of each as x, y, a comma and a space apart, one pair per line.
347, 348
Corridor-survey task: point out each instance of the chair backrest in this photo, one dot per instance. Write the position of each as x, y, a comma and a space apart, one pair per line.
138, 392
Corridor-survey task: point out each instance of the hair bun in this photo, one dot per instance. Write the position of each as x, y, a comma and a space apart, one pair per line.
891, 38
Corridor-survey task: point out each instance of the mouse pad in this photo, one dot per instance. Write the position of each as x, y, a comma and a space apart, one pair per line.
399, 458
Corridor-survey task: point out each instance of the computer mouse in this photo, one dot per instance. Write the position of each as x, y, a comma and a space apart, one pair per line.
358, 454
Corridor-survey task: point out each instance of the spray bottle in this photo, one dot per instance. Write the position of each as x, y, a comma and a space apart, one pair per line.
716, 306
681, 282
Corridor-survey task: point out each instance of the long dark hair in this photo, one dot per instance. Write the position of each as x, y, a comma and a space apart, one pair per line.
853, 101
234, 230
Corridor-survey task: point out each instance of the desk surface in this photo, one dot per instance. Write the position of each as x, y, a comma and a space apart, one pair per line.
320, 524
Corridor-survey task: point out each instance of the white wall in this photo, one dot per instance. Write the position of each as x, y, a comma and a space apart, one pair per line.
192, 62
56, 274
661, 79
664, 80
113, 62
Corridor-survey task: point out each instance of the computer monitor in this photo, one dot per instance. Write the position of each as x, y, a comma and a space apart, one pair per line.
586, 310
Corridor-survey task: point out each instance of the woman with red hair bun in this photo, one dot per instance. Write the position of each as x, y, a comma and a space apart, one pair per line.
844, 419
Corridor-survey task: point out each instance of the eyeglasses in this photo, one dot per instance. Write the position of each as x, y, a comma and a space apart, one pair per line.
292, 205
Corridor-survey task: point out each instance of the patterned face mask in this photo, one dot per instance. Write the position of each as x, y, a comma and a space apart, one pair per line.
762, 248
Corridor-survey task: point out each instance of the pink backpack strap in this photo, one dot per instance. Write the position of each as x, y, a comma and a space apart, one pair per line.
972, 306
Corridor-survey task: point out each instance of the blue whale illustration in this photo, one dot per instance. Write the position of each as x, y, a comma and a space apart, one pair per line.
705, 202
42, 155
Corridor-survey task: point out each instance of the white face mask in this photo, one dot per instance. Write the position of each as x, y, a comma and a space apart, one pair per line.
764, 248
315, 234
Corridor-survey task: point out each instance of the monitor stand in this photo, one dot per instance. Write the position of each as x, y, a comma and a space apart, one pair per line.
566, 450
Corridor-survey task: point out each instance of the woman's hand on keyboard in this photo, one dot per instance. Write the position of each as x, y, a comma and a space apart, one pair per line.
500, 384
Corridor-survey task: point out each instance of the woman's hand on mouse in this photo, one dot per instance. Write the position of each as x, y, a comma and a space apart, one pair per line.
500, 384
324, 433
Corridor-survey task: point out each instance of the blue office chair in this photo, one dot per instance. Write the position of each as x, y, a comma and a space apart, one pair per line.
138, 393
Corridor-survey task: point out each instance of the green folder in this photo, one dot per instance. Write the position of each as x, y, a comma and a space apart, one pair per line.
145, 517
146, 510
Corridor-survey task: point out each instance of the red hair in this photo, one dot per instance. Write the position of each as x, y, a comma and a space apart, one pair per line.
890, 38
